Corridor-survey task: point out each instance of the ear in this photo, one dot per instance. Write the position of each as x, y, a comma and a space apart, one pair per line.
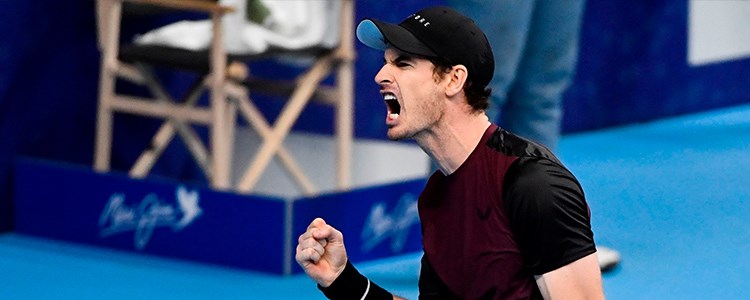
456, 80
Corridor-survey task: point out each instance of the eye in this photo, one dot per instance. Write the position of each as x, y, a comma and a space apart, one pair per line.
403, 61
403, 64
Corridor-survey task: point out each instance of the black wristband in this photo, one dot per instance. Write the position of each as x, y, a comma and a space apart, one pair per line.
352, 285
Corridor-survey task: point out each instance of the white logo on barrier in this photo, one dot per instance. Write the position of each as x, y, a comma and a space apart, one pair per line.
143, 218
381, 226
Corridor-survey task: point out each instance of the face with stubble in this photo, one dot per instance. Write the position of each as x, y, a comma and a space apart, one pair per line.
412, 94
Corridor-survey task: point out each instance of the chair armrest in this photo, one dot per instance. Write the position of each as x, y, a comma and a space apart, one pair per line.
207, 6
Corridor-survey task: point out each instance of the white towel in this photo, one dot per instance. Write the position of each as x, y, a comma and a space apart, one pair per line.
292, 24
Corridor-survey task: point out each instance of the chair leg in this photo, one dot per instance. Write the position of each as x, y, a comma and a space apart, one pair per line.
103, 143
220, 150
344, 124
345, 88
107, 77
219, 144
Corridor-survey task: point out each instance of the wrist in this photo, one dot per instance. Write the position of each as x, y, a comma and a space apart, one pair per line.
350, 284
330, 280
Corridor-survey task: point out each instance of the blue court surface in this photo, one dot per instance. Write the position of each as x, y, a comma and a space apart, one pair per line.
670, 195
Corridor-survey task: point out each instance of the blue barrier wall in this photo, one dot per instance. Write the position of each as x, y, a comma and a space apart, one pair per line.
168, 218
154, 217
632, 68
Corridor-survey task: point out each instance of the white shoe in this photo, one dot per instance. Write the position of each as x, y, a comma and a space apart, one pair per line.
608, 258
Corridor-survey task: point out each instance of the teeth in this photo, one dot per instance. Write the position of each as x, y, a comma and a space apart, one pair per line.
393, 106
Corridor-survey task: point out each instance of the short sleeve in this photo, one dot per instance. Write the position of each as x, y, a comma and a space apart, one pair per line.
548, 214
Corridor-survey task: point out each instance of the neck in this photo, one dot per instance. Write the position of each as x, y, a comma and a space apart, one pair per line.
452, 140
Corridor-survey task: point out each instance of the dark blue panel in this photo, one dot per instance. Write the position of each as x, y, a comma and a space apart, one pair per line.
633, 68
149, 216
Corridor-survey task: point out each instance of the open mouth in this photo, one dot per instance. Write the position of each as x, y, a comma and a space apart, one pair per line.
394, 108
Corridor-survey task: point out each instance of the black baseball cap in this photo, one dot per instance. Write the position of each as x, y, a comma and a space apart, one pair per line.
435, 32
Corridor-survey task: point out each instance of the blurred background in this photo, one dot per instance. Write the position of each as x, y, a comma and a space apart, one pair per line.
659, 103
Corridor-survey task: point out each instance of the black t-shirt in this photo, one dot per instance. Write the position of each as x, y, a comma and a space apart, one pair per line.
511, 211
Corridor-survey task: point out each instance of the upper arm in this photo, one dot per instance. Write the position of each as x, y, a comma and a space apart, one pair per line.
551, 223
580, 279
548, 214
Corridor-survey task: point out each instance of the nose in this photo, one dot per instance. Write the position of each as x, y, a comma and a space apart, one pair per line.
383, 77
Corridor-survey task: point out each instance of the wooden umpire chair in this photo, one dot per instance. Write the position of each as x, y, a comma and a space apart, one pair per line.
230, 84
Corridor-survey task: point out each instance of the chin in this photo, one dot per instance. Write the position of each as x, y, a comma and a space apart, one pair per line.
395, 136
399, 135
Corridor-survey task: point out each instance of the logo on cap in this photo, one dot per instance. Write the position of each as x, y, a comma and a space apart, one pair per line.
421, 20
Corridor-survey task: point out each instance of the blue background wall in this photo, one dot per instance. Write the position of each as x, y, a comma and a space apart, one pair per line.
632, 68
